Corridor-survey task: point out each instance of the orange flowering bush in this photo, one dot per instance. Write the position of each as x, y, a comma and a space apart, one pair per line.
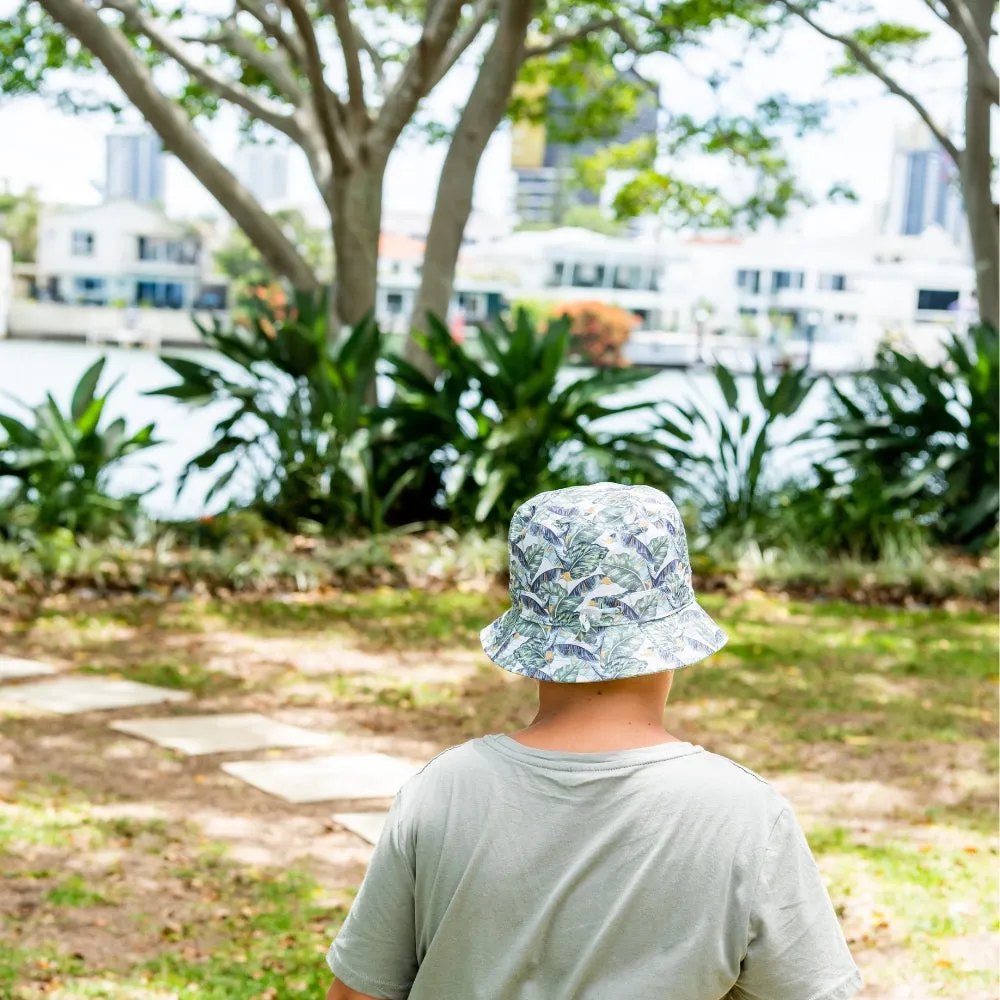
598, 333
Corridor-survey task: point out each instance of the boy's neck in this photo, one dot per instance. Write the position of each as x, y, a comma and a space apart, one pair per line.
600, 717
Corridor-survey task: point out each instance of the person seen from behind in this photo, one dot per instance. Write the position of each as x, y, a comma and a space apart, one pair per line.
592, 855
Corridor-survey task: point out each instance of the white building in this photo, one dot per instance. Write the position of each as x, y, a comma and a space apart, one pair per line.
134, 167
400, 271
647, 277
119, 253
859, 290
263, 170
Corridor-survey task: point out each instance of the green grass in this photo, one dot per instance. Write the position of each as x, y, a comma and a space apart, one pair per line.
837, 692
913, 895
255, 934
74, 891
191, 677
376, 619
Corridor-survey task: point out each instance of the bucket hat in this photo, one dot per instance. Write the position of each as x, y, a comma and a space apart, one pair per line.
600, 587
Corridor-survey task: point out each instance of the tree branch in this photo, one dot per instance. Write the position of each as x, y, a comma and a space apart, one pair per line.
864, 57
465, 37
273, 26
327, 105
960, 18
378, 63
352, 58
221, 86
417, 77
276, 66
564, 38
180, 137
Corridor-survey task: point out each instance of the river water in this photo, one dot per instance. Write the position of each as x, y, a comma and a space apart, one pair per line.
29, 370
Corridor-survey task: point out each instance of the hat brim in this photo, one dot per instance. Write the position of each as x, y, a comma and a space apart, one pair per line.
611, 652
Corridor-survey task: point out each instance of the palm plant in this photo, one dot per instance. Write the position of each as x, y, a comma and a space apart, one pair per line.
930, 434
55, 467
494, 430
724, 459
298, 400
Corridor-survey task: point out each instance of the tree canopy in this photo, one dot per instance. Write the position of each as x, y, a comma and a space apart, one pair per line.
343, 79
886, 50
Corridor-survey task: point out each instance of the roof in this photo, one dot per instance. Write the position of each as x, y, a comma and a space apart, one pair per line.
394, 246
543, 242
117, 207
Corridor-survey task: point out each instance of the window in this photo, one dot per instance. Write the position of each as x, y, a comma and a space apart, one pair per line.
556, 274
935, 300
90, 291
628, 277
846, 319
473, 304
749, 281
833, 282
747, 311
588, 275
786, 279
83, 243
159, 294
174, 251
655, 277
394, 303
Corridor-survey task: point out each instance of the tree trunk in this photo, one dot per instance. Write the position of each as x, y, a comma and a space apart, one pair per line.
975, 174
179, 136
480, 118
357, 220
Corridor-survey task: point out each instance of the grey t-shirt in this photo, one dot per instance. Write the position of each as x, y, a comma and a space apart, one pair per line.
663, 873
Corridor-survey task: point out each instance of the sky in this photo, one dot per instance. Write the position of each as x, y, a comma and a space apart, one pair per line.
63, 155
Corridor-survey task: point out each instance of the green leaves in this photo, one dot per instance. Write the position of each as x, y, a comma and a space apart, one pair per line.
55, 469
886, 39
722, 456
930, 435
499, 428
300, 405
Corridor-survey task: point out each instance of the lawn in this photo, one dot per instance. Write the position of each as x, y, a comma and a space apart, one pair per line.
132, 872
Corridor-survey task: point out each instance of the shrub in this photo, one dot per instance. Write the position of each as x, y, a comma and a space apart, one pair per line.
299, 403
54, 469
726, 461
598, 332
922, 440
498, 431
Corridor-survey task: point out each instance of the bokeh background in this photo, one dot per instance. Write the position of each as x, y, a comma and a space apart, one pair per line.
300, 299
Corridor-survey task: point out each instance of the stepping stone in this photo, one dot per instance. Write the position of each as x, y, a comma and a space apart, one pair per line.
200, 734
69, 695
368, 826
319, 779
11, 667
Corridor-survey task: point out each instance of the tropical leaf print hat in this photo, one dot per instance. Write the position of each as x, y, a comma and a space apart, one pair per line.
600, 583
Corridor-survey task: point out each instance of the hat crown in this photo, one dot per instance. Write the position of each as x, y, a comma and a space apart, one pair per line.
599, 555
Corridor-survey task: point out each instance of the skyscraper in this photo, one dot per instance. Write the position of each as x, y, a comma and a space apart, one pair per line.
134, 167
925, 189
544, 165
263, 169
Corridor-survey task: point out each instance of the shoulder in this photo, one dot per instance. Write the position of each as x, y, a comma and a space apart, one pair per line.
446, 769
721, 783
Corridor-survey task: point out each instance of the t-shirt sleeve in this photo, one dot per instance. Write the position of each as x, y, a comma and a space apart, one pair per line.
796, 949
375, 951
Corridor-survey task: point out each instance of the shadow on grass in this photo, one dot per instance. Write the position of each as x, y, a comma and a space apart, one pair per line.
846, 691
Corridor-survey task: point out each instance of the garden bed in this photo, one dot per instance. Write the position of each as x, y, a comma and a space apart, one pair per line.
443, 560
